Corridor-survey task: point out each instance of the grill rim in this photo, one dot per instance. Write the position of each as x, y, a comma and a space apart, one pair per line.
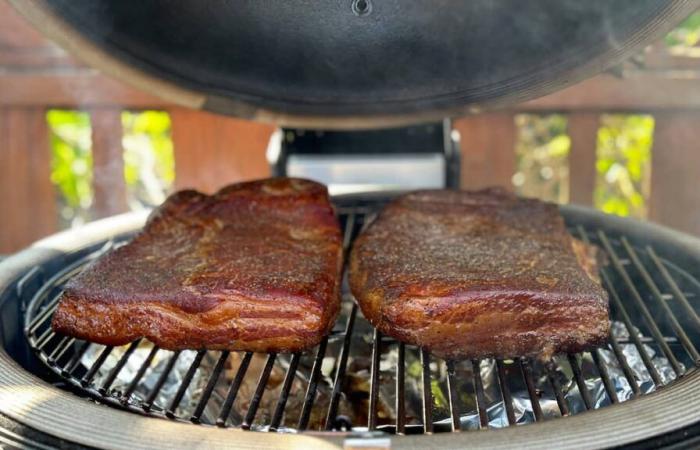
62, 414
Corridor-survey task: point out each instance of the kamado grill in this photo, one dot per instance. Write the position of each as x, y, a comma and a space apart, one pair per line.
357, 64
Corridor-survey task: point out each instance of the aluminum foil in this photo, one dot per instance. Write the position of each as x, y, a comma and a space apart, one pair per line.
354, 399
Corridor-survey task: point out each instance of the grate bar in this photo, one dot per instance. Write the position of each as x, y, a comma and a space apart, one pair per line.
310, 396
206, 394
259, 391
531, 391
574, 362
427, 394
104, 389
60, 350
282, 400
646, 359
454, 398
374, 380
233, 390
626, 369
653, 327
480, 396
620, 308
35, 272
677, 293
556, 386
43, 316
87, 379
603, 372
401, 390
161, 381
170, 412
505, 392
44, 339
677, 328
340, 372
72, 363
139, 374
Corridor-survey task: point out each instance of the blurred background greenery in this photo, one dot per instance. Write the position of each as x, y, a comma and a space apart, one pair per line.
623, 165
71, 164
623, 161
686, 35
149, 164
542, 152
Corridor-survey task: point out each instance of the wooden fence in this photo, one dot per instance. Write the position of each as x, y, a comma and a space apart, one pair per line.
211, 150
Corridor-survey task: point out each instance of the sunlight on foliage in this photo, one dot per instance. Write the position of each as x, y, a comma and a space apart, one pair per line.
624, 164
71, 164
149, 164
687, 34
542, 152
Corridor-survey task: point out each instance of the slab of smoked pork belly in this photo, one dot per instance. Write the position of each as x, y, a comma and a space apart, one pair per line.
478, 274
254, 267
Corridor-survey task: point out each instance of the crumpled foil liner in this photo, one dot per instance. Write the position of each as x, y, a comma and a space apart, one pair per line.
354, 400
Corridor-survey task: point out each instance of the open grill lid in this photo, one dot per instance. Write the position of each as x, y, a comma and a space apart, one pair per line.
353, 63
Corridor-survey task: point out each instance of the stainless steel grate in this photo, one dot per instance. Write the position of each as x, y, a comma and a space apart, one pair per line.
357, 378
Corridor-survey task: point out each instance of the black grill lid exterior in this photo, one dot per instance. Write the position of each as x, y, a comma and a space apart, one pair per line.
358, 62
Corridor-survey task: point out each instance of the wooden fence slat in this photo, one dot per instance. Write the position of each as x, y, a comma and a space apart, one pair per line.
16, 32
583, 132
675, 196
212, 151
84, 89
27, 196
643, 90
88, 88
487, 142
108, 182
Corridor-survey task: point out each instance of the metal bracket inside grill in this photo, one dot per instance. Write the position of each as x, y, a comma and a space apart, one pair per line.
400, 389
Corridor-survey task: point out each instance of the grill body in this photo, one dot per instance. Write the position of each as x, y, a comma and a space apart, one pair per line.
645, 259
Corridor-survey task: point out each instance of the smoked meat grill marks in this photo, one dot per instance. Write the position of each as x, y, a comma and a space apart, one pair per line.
477, 274
254, 267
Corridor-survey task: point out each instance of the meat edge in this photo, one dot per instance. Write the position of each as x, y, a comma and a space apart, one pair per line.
487, 324
289, 329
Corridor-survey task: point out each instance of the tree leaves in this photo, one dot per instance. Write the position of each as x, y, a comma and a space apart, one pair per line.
71, 163
149, 165
149, 162
542, 152
623, 164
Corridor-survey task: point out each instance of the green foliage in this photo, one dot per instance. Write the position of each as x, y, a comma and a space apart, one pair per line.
624, 164
623, 161
542, 151
439, 398
687, 34
149, 163
71, 163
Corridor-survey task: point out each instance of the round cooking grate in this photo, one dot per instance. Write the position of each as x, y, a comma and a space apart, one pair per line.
358, 379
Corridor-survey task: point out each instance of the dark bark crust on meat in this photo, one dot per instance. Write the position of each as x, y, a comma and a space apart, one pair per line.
254, 267
478, 274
